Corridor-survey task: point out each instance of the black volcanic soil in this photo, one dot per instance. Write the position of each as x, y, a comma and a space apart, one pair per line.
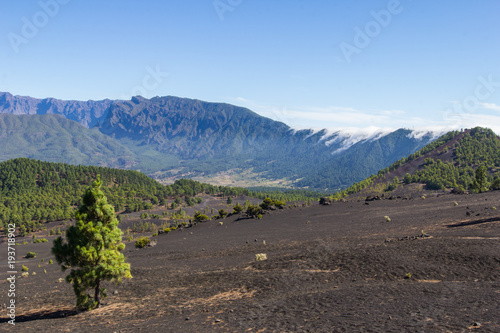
337, 268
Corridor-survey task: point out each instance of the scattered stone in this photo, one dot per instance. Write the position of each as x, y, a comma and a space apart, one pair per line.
115, 292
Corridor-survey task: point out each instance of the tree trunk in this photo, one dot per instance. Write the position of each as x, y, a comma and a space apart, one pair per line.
97, 296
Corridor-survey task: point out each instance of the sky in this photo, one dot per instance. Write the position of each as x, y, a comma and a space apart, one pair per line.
359, 65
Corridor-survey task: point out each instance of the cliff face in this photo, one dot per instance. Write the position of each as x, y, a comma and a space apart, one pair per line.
87, 113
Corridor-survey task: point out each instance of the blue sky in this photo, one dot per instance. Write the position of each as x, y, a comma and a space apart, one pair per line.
334, 64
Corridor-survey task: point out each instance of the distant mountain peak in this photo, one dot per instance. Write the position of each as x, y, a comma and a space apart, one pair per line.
176, 137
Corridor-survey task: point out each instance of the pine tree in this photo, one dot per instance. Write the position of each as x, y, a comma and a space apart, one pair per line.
93, 249
481, 182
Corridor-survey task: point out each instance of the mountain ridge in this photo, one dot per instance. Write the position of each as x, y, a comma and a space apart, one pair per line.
201, 139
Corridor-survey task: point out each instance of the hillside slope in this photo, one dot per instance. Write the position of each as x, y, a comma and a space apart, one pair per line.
57, 139
451, 162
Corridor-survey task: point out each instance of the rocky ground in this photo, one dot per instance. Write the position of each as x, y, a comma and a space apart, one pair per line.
434, 267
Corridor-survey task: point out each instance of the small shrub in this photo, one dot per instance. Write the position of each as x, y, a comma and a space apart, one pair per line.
199, 217
45, 271
458, 190
142, 242
222, 213
34, 273
237, 209
50, 262
167, 230
24, 268
30, 255
40, 240
408, 276
260, 256
25, 274
387, 219
391, 187
455, 203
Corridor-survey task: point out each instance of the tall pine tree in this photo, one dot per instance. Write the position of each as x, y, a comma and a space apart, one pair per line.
92, 249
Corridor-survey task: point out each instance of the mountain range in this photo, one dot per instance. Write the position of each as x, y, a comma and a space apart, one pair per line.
171, 137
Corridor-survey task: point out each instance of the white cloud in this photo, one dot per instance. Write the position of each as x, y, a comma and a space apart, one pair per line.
354, 125
490, 106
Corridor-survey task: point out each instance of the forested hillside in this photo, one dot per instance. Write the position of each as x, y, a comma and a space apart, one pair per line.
54, 138
459, 160
33, 192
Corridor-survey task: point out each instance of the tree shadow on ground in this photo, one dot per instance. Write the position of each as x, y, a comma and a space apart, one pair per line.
467, 223
42, 315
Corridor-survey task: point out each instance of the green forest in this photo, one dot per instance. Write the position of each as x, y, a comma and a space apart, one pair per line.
33, 192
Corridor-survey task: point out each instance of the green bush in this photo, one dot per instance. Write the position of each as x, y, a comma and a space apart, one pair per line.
30, 255
237, 209
40, 240
142, 242
391, 187
222, 213
24, 269
199, 217
254, 210
269, 203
